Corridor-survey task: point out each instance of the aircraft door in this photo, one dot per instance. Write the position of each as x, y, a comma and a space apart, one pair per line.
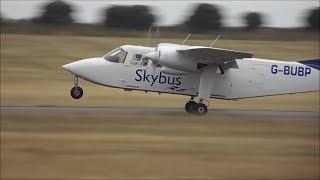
128, 71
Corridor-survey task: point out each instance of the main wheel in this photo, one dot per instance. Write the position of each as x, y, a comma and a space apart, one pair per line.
190, 106
76, 92
201, 109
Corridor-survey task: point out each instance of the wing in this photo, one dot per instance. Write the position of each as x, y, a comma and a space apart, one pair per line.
209, 55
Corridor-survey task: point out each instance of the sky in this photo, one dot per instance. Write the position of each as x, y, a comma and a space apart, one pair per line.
279, 13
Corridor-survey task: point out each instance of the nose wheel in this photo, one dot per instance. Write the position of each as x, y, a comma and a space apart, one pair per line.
193, 107
76, 92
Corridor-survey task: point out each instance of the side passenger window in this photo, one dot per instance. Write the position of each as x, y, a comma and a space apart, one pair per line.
135, 59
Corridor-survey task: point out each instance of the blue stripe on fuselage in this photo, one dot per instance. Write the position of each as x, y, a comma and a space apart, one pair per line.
314, 63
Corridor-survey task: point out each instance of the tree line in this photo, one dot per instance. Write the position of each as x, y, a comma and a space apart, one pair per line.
205, 17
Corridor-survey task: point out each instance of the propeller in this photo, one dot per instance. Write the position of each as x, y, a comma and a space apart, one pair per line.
154, 57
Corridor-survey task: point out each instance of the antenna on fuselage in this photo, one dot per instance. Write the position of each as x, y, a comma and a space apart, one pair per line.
185, 39
215, 41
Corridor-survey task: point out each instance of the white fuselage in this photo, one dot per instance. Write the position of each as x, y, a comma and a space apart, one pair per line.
254, 77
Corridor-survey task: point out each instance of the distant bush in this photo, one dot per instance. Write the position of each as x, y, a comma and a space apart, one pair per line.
2, 18
205, 17
132, 17
312, 19
253, 20
56, 12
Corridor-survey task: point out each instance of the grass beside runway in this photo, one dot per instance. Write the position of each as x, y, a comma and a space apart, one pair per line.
42, 145
31, 73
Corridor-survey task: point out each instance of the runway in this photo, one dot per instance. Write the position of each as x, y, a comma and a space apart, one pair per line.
154, 111
108, 142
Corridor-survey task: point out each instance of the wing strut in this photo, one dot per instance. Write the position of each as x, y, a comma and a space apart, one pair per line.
221, 69
206, 81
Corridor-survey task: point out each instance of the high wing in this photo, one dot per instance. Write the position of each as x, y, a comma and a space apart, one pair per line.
214, 58
208, 55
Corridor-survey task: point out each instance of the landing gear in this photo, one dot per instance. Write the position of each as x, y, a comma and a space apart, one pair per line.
196, 108
201, 109
190, 106
76, 92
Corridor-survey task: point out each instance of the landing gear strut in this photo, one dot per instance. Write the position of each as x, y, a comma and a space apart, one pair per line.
76, 92
196, 108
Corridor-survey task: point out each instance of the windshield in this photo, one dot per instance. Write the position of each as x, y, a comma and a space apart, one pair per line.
117, 55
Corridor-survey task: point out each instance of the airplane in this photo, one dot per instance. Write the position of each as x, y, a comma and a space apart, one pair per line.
201, 72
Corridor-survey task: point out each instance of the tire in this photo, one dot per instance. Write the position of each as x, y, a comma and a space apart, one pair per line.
190, 106
201, 109
76, 92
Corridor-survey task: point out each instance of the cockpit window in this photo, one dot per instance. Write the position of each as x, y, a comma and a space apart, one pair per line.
136, 59
117, 56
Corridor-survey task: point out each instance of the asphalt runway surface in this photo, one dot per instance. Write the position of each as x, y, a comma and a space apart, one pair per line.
47, 142
155, 111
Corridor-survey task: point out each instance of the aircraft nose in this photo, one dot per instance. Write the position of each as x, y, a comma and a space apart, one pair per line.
68, 67
78, 67
72, 67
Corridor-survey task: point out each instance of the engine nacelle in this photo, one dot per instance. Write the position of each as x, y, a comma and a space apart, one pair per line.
171, 59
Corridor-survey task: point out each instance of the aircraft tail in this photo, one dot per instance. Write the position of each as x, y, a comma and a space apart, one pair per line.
314, 63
